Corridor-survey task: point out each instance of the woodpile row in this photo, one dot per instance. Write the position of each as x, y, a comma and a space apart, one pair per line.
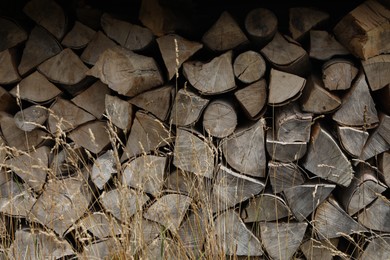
131, 139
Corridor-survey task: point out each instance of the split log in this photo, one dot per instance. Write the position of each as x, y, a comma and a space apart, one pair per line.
231, 188
78, 37
244, 149
61, 204
352, 139
281, 240
331, 163
92, 99
169, 210
100, 225
331, 221
377, 248
324, 46
365, 30
98, 44
261, 25
163, 248
35, 88
284, 175
249, 67
224, 35
40, 46
364, 188
65, 116
187, 108
32, 167
286, 55
123, 203
147, 134
126, 72
102, 249
377, 70
68, 161
338, 74
233, 237
130, 36
175, 50
92, 136
145, 173
265, 207
156, 101
119, 112
89, 15
320, 249
213, 77
376, 216
220, 118
384, 166
304, 199
31, 118
8, 71
11, 34
49, 15
303, 19
193, 153
253, 99
284, 87
7, 102
284, 151
102, 169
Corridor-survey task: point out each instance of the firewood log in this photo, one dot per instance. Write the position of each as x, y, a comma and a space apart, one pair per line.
253, 99
324, 46
320, 249
68, 161
377, 71
78, 37
384, 166
102, 169
377, 248
338, 74
30, 118
220, 118
12, 34
8, 70
352, 139
261, 25
163, 248
96, 46
119, 112
284, 151
249, 67
303, 19
101, 249
7, 102
284, 175
375, 216
99, 225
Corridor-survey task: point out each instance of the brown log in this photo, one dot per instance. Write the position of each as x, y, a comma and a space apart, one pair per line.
376, 216
244, 149
126, 72
11, 34
99, 225
281, 240
31, 118
78, 37
220, 118
49, 15
284, 151
169, 210
352, 139
324, 46
331, 163
265, 207
320, 249
193, 153
102, 169
338, 74
284, 87
249, 67
284, 175
35, 88
377, 248
377, 70
93, 98
233, 237
39, 47
187, 108
224, 35
102, 249
365, 30
156, 101
384, 166
8, 71
303, 19
261, 25
253, 98
89, 15
147, 134
175, 50
98, 44
130, 36
316, 99
304, 199
7, 102
119, 112
145, 173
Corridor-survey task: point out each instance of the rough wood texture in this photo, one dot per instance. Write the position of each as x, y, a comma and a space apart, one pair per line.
376, 216
365, 30
284, 175
119, 112
338, 74
96, 46
163, 248
384, 166
101, 249
78, 37
220, 118
378, 248
99, 225
8, 104
377, 70
31, 118
284, 151
253, 98
352, 139
261, 25
8, 72
320, 249
303, 19
11, 34
324, 46
102, 169
213, 77
249, 67
126, 72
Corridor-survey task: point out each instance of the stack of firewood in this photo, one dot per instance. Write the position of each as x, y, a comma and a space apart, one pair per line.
123, 139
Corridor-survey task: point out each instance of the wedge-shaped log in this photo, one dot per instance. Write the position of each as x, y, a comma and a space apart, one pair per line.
253, 98
384, 166
78, 37
102, 249
163, 248
324, 46
8, 103
103, 168
338, 74
119, 112
284, 151
220, 118
303, 19
377, 248
249, 67
11, 33
211, 78
244, 149
320, 249
352, 139
8, 72
31, 118
98, 45
284, 175
376, 216
326, 160
92, 136
377, 70
100, 225
261, 25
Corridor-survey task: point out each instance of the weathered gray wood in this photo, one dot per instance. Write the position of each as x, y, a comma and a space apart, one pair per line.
244, 149
376, 216
11, 34
220, 118
303, 19
320, 249
338, 74
193, 153
261, 25
163, 248
352, 139
384, 166
305, 198
225, 34
284, 151
377, 70
233, 237
249, 67
65, 163
8, 71
31, 118
78, 37
331, 163
378, 248
119, 112
324, 46
213, 77
253, 98
284, 175
126, 72
281, 240
102, 249
102, 169
96, 47
8, 103
100, 225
